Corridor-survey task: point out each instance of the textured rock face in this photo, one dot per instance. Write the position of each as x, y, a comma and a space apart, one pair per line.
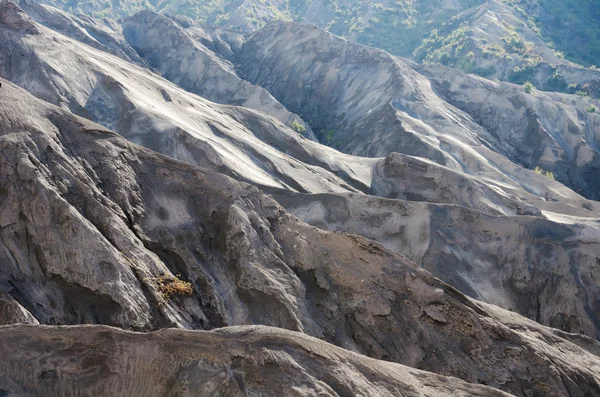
526, 264
90, 222
149, 111
253, 148
237, 361
552, 130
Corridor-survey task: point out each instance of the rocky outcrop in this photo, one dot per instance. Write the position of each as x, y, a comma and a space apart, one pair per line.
236, 361
416, 179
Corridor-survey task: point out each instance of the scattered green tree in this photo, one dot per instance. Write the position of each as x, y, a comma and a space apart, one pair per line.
329, 136
547, 174
299, 128
528, 87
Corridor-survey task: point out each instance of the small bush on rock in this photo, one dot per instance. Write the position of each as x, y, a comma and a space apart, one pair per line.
170, 286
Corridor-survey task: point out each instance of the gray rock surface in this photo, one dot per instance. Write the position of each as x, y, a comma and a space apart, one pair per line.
235, 361
150, 111
91, 221
97, 230
153, 112
527, 264
551, 130
238, 134
104, 34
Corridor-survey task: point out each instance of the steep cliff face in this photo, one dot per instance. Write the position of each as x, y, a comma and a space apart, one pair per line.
185, 61
151, 111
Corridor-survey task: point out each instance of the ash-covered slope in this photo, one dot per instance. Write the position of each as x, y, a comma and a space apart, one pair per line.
157, 114
236, 361
94, 230
104, 34
149, 110
249, 146
367, 102
185, 61
479, 179
179, 55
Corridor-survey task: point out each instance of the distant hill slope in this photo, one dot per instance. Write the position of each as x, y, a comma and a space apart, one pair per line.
510, 41
553, 44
